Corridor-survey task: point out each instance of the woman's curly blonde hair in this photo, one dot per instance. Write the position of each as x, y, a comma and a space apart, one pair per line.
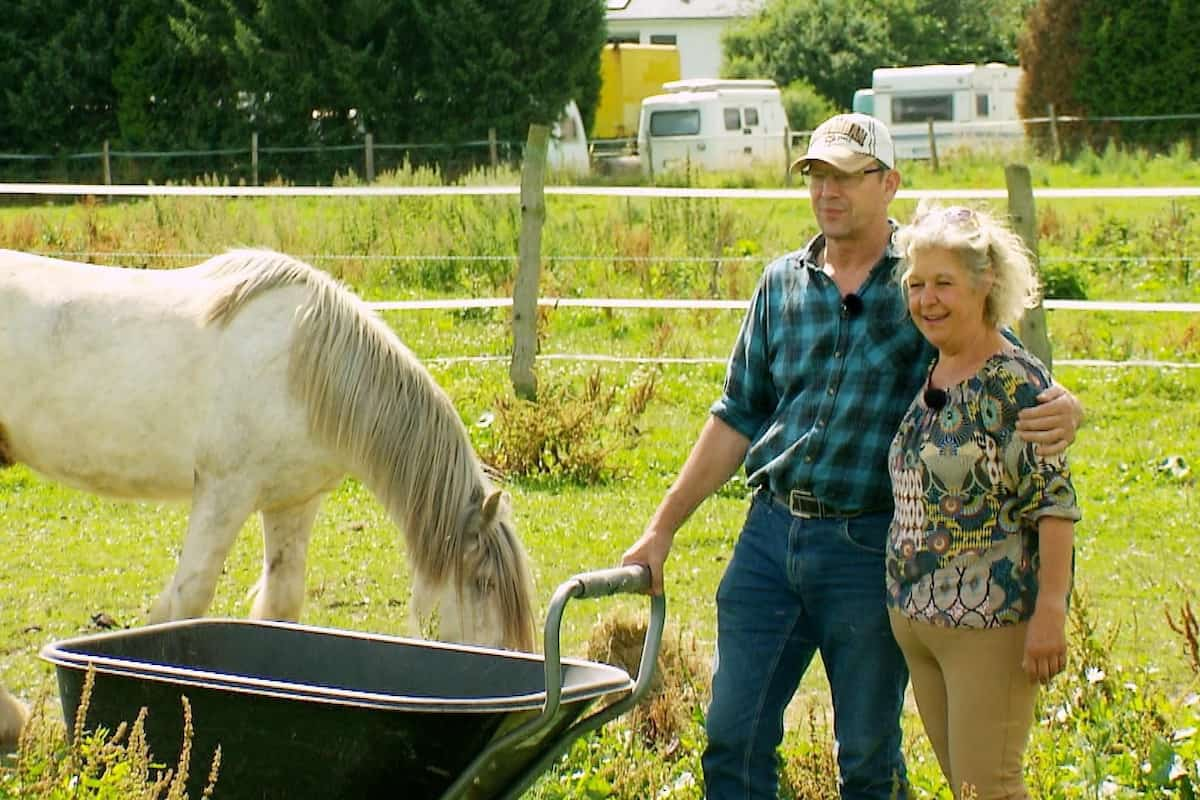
984, 247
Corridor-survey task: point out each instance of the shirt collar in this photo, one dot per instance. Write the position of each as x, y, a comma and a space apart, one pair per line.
808, 255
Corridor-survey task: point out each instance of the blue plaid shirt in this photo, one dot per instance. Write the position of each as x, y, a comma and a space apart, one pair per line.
820, 392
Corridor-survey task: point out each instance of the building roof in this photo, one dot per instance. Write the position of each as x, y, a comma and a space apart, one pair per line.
681, 9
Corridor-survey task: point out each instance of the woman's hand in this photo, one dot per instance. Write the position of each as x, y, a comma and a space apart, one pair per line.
1046, 642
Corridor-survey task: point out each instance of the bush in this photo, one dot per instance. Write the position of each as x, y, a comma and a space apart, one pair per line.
569, 433
806, 107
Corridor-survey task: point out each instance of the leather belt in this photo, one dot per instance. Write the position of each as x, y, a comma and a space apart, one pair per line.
807, 505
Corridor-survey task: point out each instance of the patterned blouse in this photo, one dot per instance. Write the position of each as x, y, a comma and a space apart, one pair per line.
963, 545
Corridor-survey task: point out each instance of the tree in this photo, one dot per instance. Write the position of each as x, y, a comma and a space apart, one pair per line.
172, 80
835, 45
55, 67
1051, 61
1141, 60
1103, 58
177, 74
506, 65
832, 44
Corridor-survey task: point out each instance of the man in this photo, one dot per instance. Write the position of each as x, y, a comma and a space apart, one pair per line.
824, 367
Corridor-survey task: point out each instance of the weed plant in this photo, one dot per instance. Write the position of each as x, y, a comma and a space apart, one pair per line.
569, 434
97, 764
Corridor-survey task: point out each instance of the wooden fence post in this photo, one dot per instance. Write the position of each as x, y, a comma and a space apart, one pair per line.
933, 157
529, 250
1033, 332
787, 156
254, 158
106, 164
369, 146
1055, 145
493, 155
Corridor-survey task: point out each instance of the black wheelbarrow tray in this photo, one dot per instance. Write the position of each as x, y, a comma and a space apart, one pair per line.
306, 712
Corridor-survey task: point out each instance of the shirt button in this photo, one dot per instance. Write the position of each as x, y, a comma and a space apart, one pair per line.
830, 392
838, 354
808, 459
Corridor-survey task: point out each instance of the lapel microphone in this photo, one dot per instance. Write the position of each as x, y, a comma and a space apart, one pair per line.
852, 305
935, 398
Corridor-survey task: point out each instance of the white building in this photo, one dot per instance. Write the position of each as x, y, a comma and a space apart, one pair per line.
693, 26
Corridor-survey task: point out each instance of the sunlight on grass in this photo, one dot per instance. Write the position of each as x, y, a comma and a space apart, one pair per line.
1122, 723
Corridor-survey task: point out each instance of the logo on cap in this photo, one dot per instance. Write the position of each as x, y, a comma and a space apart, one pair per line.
849, 129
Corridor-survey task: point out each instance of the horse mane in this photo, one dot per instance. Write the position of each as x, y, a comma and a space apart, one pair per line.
371, 400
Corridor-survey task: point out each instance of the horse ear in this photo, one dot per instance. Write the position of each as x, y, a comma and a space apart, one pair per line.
491, 507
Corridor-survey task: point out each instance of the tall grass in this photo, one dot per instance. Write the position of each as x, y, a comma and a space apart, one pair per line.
1118, 725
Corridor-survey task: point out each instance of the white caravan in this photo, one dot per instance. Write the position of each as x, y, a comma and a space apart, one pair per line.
713, 124
567, 148
970, 105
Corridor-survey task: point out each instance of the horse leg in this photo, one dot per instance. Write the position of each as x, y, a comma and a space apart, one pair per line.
286, 533
218, 510
13, 716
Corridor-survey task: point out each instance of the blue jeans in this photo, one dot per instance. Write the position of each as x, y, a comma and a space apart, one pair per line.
795, 587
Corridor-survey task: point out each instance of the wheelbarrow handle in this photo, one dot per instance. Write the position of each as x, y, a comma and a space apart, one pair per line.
605, 582
633, 579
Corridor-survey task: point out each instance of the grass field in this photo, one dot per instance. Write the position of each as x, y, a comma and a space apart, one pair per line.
70, 556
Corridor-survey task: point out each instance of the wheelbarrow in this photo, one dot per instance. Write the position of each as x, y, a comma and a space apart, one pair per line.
302, 711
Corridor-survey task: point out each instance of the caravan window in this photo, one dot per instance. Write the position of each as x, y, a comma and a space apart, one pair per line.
938, 107
981, 105
751, 115
685, 122
733, 119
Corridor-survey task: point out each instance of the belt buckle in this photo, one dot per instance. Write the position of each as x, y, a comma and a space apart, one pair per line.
805, 505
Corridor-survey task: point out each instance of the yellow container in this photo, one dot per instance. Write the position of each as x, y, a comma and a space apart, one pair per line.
629, 73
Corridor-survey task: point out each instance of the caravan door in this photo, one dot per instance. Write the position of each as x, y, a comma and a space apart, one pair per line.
743, 138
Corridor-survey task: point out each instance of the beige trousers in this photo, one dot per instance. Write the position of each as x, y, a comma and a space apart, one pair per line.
975, 701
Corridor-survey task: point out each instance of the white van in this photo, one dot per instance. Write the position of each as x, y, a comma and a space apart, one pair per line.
713, 124
970, 105
567, 149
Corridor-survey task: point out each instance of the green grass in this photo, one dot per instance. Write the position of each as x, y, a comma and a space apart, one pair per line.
69, 556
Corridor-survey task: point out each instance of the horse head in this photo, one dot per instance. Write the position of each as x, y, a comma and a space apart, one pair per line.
487, 597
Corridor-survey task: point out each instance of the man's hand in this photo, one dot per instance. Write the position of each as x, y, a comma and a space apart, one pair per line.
651, 550
1052, 423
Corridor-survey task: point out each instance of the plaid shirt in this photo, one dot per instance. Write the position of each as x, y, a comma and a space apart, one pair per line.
820, 392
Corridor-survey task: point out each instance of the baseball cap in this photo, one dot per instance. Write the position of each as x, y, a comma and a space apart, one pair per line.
850, 142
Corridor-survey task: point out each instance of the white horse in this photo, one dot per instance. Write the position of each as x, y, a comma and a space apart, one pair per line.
13, 715
253, 382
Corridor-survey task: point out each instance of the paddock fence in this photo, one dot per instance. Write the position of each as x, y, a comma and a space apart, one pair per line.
258, 162
35, 190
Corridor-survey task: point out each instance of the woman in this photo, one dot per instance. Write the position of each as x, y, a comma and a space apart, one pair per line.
980, 550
